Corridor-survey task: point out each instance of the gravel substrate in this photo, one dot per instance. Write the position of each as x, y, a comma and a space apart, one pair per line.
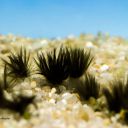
66, 110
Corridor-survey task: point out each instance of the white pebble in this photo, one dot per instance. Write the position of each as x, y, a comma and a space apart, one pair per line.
44, 42
104, 67
66, 95
52, 101
27, 92
64, 101
53, 90
89, 45
33, 84
37, 89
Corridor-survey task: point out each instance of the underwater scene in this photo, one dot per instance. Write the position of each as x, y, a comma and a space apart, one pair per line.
63, 64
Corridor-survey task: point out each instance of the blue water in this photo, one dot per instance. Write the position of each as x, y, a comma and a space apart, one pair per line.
53, 18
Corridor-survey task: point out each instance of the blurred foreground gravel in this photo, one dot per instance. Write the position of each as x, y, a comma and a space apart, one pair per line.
65, 110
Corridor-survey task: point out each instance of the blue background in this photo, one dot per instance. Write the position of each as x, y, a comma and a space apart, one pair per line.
53, 18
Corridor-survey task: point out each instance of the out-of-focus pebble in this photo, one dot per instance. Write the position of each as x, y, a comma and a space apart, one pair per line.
44, 42
33, 84
104, 68
52, 101
70, 98
27, 92
89, 45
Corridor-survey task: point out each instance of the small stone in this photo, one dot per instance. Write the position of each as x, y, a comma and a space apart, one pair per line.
65, 95
64, 101
89, 45
70, 98
23, 85
104, 67
33, 84
80, 111
44, 42
37, 89
84, 115
27, 92
71, 126
52, 101
52, 92
92, 101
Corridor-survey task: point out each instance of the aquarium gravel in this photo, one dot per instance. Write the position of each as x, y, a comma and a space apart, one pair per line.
58, 104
